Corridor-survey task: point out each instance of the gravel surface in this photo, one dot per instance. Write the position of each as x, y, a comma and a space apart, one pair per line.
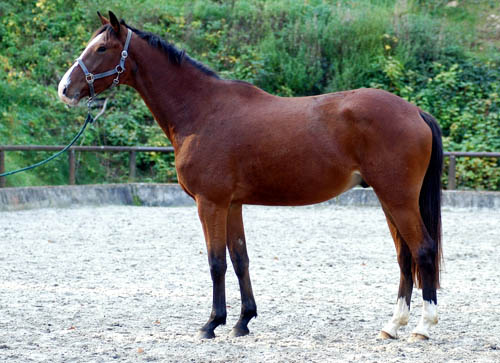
133, 284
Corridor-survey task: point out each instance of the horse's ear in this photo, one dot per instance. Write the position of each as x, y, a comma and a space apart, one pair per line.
104, 21
115, 24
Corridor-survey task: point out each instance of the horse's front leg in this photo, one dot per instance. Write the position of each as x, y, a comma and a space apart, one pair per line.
238, 251
214, 221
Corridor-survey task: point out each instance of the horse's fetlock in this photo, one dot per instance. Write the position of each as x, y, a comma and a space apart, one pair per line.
220, 320
249, 313
218, 317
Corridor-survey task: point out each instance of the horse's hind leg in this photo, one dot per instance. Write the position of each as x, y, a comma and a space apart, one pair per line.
423, 250
402, 309
238, 251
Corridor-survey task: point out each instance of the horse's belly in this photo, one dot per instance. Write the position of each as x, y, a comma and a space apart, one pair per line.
302, 190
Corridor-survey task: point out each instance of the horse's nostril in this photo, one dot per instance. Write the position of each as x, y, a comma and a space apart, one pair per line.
64, 90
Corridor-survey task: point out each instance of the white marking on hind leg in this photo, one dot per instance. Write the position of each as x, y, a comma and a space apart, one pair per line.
429, 318
399, 318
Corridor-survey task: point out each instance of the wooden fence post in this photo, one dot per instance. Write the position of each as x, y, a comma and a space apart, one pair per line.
71, 161
132, 166
2, 168
452, 184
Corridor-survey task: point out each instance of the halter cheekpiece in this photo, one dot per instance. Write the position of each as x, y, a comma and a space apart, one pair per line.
120, 67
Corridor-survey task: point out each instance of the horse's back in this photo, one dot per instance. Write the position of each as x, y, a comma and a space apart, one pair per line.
294, 151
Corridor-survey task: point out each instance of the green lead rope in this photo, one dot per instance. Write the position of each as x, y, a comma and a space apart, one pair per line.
89, 120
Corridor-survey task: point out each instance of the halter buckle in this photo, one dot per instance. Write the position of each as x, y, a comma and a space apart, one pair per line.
89, 77
124, 54
119, 69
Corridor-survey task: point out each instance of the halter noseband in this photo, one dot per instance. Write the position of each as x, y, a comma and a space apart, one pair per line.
90, 77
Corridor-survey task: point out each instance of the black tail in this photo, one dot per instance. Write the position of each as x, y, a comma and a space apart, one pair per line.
430, 194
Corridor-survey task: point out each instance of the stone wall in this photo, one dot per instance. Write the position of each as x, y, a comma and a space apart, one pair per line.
164, 195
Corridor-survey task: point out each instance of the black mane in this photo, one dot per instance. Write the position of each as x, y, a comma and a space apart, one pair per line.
175, 55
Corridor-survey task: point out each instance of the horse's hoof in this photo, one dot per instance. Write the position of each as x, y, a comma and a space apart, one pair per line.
415, 337
384, 335
206, 334
239, 332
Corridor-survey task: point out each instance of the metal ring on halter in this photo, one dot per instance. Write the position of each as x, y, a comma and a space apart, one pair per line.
119, 69
89, 77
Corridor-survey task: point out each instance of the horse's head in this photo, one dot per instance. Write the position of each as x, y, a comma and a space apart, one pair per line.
101, 63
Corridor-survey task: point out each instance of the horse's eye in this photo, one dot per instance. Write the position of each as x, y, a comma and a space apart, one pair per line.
101, 49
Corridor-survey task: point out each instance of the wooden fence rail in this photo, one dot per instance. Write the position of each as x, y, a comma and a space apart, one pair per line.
133, 150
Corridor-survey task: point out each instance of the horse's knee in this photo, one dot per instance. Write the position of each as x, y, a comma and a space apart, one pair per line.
240, 263
218, 267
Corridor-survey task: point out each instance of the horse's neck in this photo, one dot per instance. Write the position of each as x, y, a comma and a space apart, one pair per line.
176, 95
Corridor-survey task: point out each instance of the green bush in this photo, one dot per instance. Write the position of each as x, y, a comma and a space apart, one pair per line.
464, 98
416, 49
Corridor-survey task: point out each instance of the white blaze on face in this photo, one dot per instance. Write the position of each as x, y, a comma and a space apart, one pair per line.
66, 80
64, 83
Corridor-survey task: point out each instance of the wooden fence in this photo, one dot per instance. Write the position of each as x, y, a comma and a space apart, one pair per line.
133, 150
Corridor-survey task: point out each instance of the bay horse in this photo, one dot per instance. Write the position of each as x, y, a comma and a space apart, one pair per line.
236, 144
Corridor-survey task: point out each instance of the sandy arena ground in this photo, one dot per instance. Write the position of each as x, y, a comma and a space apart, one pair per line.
132, 284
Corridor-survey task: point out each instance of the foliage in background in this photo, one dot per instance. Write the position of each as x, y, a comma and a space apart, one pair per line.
416, 49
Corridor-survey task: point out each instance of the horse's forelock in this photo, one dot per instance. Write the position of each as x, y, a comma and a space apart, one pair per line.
101, 30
